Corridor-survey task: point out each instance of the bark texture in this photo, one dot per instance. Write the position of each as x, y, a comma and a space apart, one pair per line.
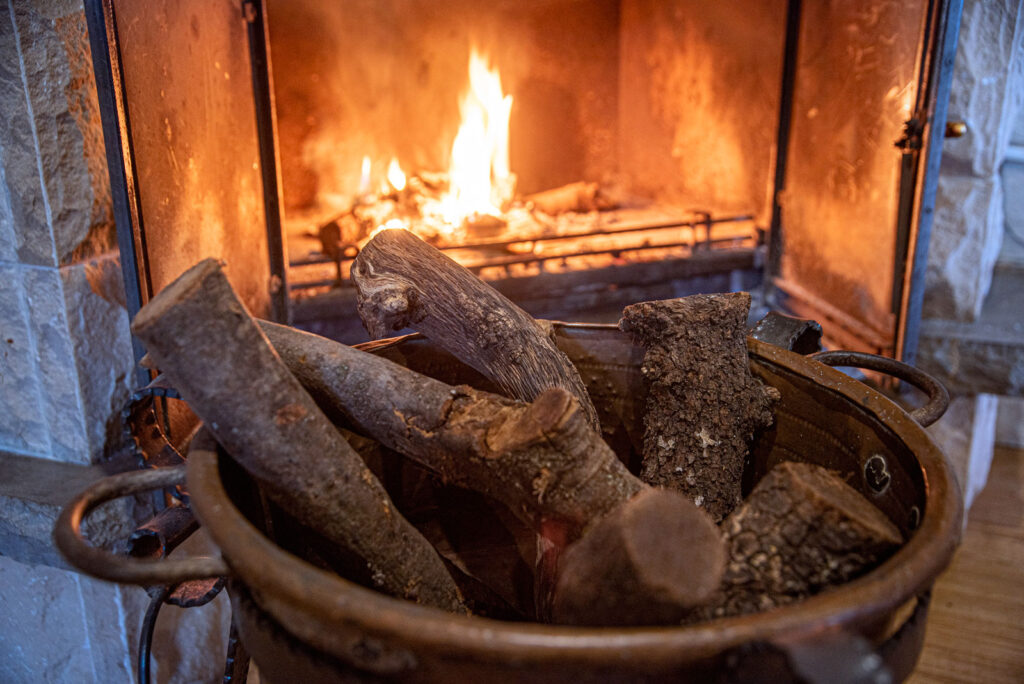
404, 282
202, 336
543, 459
704, 405
802, 529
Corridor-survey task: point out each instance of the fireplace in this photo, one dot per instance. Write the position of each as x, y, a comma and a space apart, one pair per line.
782, 147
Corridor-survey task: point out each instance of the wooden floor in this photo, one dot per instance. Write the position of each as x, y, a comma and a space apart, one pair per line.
976, 625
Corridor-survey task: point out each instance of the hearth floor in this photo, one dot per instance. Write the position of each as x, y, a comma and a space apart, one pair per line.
975, 628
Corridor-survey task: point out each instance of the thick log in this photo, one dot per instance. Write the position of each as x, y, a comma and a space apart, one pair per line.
801, 530
704, 405
542, 460
647, 563
202, 336
404, 282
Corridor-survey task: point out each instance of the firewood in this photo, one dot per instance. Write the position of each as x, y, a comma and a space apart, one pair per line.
644, 564
703, 404
579, 196
802, 529
202, 336
543, 460
404, 282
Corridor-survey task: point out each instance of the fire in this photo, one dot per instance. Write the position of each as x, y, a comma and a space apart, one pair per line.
479, 175
396, 177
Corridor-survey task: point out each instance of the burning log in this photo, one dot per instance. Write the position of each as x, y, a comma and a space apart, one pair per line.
704, 405
579, 196
201, 335
800, 530
404, 282
543, 460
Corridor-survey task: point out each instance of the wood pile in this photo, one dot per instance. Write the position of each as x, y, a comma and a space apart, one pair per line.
319, 425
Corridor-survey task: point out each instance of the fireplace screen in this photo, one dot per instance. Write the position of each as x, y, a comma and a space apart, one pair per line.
578, 154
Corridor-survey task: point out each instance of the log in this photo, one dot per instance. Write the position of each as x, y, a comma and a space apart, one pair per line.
402, 282
542, 460
802, 529
202, 336
579, 196
704, 405
646, 564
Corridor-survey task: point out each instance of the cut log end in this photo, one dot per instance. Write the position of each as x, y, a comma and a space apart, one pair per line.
650, 561
801, 530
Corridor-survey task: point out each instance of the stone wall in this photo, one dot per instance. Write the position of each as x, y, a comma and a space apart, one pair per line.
65, 347
987, 91
65, 370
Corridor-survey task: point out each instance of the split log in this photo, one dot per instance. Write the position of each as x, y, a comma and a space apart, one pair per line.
704, 405
801, 530
202, 336
404, 282
542, 460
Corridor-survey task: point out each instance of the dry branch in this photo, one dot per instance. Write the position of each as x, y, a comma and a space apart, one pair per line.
202, 336
542, 460
404, 282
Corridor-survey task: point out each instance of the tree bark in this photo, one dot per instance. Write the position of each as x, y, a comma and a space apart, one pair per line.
704, 404
404, 282
202, 336
543, 461
801, 530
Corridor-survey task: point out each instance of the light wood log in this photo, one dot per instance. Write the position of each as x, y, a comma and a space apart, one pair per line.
404, 282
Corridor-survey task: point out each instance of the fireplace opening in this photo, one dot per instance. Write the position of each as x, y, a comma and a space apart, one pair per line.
577, 155
600, 145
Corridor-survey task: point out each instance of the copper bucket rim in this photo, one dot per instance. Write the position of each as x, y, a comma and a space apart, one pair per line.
319, 607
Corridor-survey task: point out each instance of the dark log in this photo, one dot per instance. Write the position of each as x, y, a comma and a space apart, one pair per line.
647, 563
202, 336
404, 282
802, 529
704, 405
542, 460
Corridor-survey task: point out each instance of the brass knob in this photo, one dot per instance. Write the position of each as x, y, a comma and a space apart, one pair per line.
956, 129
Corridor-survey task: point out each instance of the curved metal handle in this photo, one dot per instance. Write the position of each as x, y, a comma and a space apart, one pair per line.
938, 396
67, 534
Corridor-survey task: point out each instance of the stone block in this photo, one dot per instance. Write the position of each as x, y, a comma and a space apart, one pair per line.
966, 435
23, 427
966, 236
59, 626
1010, 422
1013, 204
58, 376
43, 636
98, 329
28, 237
987, 85
59, 84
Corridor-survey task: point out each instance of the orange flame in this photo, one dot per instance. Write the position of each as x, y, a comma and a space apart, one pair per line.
479, 175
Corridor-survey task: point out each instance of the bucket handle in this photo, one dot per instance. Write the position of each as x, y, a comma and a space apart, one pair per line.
938, 395
67, 535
